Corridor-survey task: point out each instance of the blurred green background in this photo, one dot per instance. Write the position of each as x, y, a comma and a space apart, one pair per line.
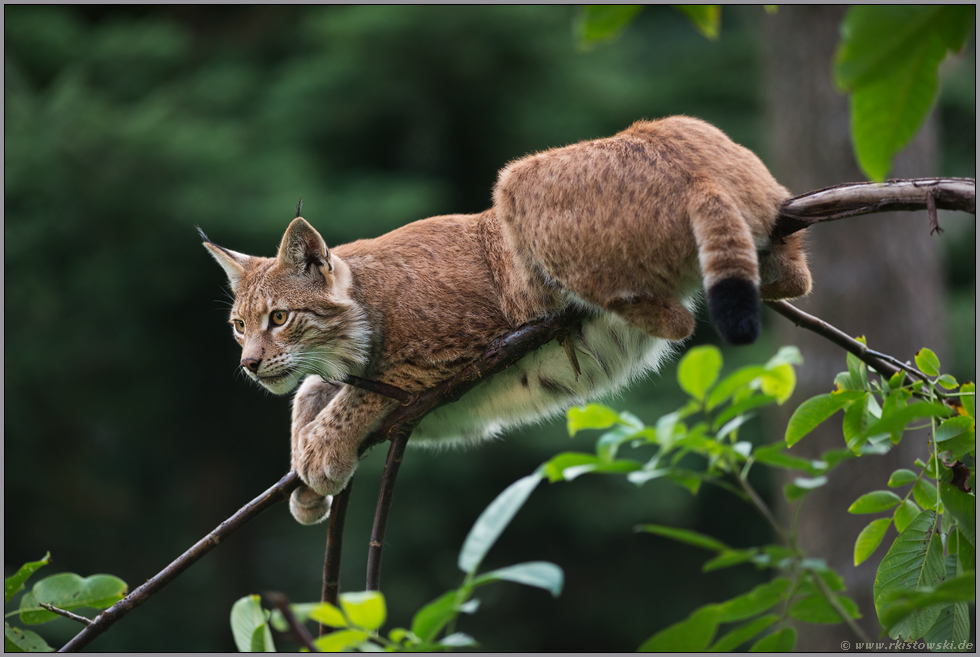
128, 434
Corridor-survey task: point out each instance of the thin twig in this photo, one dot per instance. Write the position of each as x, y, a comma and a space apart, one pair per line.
66, 613
335, 546
281, 602
393, 463
107, 618
831, 597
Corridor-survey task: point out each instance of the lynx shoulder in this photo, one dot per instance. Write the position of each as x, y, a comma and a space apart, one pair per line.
631, 228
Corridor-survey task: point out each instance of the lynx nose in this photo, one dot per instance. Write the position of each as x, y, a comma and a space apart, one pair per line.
251, 364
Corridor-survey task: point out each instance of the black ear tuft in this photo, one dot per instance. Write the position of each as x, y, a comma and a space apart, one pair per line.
733, 305
299, 206
201, 233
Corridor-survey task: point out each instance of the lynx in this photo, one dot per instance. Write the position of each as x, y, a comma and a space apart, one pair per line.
629, 228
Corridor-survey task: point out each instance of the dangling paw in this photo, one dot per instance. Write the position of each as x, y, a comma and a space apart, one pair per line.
309, 507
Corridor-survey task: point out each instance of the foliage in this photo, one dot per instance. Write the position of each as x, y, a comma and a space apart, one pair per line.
359, 618
65, 591
923, 584
888, 60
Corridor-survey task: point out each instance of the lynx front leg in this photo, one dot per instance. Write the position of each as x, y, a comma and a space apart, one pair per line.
326, 448
308, 506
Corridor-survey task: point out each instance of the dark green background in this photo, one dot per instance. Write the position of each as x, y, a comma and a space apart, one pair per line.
128, 433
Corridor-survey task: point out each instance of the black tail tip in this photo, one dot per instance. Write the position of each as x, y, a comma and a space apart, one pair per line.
733, 305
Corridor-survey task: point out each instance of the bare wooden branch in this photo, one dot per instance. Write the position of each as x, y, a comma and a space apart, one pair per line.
66, 613
281, 602
107, 618
853, 199
335, 546
383, 389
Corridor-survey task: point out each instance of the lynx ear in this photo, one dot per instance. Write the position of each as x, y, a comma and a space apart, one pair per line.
302, 248
232, 262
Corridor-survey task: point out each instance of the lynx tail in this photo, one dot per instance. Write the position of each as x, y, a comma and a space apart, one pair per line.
730, 267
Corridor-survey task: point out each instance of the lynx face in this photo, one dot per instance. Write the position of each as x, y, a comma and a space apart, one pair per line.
293, 314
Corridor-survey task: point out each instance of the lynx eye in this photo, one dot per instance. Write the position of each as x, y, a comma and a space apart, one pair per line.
239, 325
279, 317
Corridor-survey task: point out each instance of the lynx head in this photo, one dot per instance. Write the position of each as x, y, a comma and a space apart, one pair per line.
293, 314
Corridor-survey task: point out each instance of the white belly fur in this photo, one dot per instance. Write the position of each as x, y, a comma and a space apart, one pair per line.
611, 355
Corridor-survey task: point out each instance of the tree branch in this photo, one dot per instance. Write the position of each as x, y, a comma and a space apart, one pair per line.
107, 618
335, 545
853, 199
281, 602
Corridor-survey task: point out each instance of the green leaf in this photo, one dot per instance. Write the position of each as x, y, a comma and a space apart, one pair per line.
957, 435
340, 640
969, 401
17, 640
782, 641
262, 640
705, 18
693, 634
947, 381
889, 57
816, 609
603, 22
951, 628
801, 486
927, 361
857, 417
733, 425
963, 507
901, 477
698, 370
762, 598
247, 618
733, 382
609, 442
68, 591
742, 633
494, 520
431, 618
879, 500
857, 369
812, 413
900, 607
742, 406
14, 583
592, 416
903, 416
457, 640
542, 574
618, 466
684, 536
779, 382
869, 539
914, 562
924, 494
730, 558
555, 466
773, 455
365, 609
904, 514
326, 614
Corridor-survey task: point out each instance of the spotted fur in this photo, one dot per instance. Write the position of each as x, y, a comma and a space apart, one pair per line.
630, 227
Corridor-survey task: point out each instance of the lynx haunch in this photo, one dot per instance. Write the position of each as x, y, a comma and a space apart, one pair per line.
630, 228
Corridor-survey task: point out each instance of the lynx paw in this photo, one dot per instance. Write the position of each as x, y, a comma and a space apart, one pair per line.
323, 464
309, 507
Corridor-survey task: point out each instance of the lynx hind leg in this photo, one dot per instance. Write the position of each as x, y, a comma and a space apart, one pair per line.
659, 316
784, 271
306, 505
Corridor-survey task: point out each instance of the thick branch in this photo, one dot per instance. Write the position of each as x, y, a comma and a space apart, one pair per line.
853, 199
103, 621
335, 545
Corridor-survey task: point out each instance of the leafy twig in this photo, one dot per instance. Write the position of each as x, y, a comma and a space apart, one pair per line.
281, 602
66, 613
